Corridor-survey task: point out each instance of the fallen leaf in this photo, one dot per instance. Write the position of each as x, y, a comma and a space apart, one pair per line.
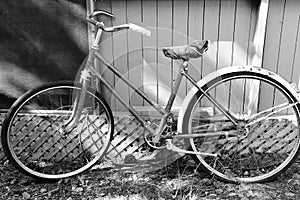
43, 190
232, 194
219, 191
26, 195
289, 194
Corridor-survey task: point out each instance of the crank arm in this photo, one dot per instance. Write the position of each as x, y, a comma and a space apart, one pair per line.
172, 147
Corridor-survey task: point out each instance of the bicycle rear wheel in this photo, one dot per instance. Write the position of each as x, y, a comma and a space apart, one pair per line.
266, 140
34, 138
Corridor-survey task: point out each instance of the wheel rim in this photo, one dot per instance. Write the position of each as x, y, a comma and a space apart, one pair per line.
72, 161
218, 165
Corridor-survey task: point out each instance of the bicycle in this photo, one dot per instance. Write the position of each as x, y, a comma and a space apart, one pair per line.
236, 142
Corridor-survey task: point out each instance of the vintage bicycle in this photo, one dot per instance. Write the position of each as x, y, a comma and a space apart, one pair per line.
62, 129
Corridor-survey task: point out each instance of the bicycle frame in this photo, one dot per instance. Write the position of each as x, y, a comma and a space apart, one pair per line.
62, 129
165, 112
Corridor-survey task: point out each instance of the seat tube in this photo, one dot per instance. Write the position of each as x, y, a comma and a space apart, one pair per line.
176, 85
211, 99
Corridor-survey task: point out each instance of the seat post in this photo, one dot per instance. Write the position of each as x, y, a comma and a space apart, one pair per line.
185, 65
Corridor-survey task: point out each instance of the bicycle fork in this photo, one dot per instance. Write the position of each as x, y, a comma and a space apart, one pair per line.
79, 98
85, 78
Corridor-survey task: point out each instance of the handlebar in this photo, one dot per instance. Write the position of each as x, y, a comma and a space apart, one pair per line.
134, 27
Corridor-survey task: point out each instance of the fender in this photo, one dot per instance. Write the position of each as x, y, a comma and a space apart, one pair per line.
221, 72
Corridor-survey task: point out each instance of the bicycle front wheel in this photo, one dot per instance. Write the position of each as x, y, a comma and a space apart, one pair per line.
265, 139
36, 142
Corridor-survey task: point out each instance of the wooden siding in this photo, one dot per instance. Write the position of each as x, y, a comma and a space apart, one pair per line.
281, 51
230, 25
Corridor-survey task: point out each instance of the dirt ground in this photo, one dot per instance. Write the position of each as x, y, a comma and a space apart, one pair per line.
177, 181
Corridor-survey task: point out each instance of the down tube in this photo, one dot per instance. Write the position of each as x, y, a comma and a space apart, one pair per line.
124, 103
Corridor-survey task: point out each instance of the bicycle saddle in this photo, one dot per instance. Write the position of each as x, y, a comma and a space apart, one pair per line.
185, 52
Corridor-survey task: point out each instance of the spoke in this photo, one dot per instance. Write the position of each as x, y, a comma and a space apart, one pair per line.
267, 113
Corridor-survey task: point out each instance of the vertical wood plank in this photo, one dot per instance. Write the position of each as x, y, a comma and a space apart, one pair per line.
180, 34
257, 90
246, 19
150, 51
272, 48
195, 29
296, 59
211, 25
273, 34
243, 33
120, 47
253, 21
164, 37
226, 31
288, 39
134, 15
211, 32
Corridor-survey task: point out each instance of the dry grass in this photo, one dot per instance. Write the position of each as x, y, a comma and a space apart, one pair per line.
177, 181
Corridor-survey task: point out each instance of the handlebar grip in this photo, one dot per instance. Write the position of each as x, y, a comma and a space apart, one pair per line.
139, 29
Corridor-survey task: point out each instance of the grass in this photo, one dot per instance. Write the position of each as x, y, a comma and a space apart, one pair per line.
177, 181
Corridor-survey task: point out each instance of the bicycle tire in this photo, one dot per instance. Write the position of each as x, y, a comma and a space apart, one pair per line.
263, 151
36, 143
